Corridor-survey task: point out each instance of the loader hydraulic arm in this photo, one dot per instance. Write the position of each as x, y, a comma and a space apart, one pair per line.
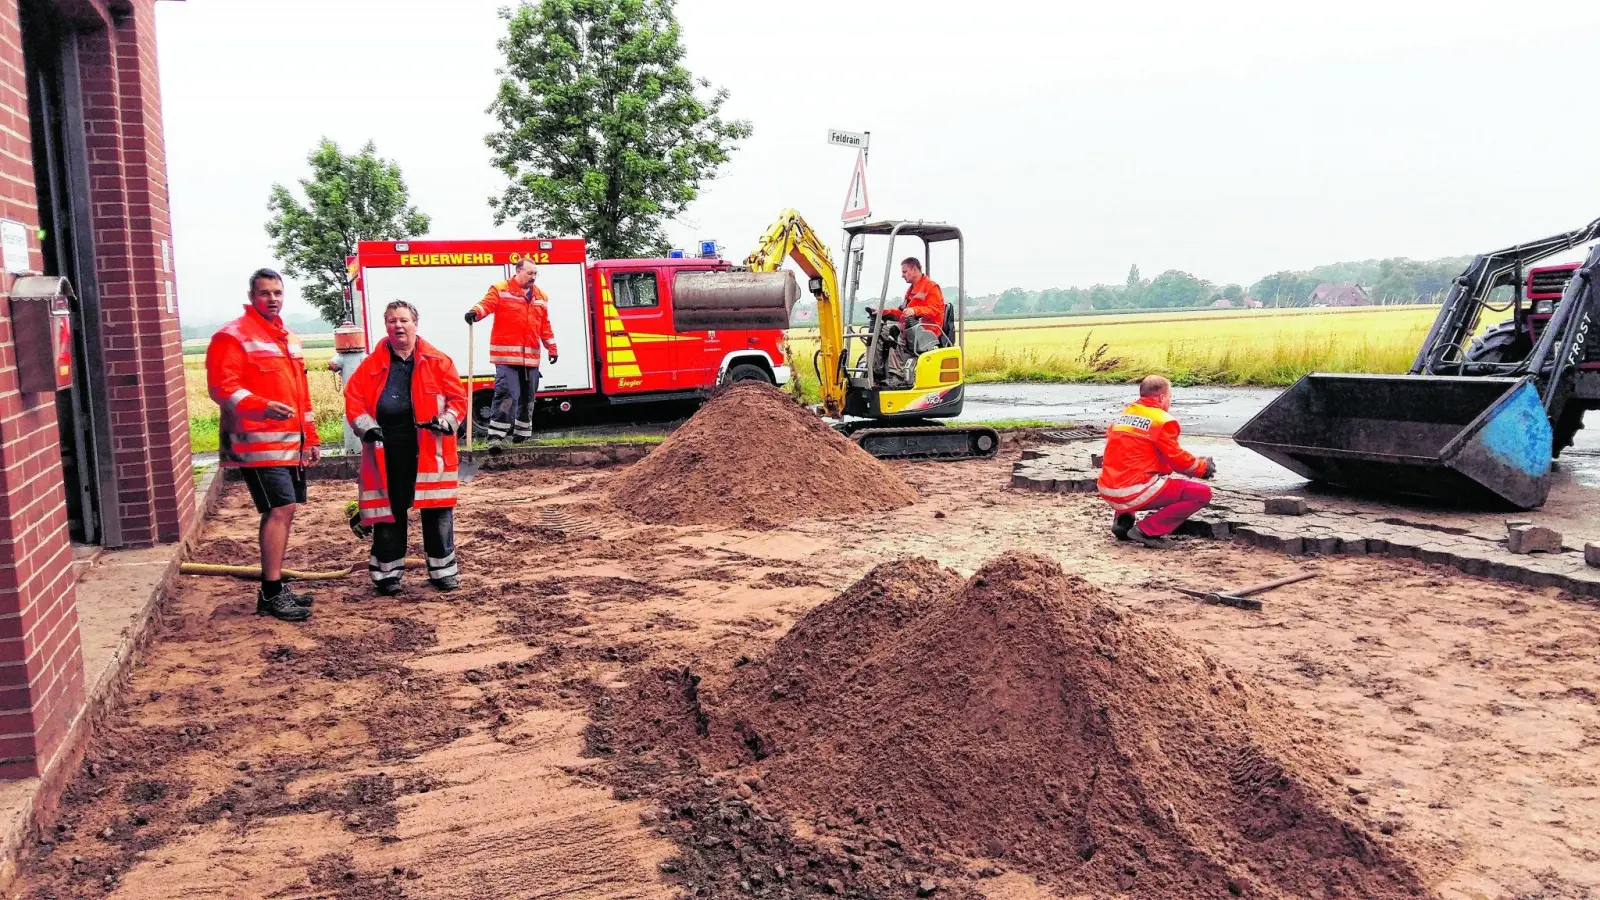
791, 238
1444, 350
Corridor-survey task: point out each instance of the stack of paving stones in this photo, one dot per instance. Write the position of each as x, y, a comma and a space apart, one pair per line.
1321, 527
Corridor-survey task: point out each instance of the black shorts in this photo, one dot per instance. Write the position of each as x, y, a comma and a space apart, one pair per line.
275, 486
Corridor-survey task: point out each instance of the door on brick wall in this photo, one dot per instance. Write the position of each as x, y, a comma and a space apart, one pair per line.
48, 52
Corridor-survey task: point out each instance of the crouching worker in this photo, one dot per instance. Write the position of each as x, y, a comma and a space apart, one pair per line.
405, 401
1142, 453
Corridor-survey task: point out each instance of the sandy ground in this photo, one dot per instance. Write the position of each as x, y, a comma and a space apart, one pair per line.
432, 745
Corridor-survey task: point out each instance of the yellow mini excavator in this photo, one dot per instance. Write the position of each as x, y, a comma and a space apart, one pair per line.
889, 396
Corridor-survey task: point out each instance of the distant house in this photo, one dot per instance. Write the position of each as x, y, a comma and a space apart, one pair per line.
1344, 293
1253, 303
1222, 303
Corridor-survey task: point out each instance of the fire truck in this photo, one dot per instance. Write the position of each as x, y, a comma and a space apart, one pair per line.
629, 330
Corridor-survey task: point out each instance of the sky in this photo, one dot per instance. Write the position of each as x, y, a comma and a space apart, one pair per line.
1068, 140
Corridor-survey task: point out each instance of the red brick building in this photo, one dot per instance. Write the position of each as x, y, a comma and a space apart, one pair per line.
105, 460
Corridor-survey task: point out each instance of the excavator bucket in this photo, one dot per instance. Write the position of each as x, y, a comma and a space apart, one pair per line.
1470, 441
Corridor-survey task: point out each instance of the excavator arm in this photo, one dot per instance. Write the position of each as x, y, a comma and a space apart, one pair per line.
791, 238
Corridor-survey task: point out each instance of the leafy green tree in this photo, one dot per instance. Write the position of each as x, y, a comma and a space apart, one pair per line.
603, 132
1013, 301
354, 198
1233, 293
1174, 289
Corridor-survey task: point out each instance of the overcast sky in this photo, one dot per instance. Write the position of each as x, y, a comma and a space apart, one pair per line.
1228, 139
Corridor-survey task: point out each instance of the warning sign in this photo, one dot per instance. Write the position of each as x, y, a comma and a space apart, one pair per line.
856, 204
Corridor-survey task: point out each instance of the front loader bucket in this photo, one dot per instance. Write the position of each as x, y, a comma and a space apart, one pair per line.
1472, 441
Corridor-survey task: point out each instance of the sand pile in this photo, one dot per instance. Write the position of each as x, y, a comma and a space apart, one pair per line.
1019, 716
753, 457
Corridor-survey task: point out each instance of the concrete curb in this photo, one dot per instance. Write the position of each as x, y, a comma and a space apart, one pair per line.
1068, 470
29, 806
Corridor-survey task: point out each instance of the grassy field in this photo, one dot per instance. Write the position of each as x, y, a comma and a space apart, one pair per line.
1258, 347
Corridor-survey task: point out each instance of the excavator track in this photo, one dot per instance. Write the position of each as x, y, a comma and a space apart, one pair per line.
935, 442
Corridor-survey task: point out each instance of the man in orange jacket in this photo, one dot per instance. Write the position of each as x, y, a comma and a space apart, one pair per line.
1142, 453
924, 302
256, 372
521, 323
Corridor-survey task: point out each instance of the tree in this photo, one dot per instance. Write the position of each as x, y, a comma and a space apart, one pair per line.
602, 130
1176, 289
1233, 293
352, 199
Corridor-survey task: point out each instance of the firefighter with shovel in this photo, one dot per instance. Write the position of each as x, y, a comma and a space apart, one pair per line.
521, 313
406, 401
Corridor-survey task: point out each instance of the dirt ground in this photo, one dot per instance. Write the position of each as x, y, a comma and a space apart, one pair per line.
446, 745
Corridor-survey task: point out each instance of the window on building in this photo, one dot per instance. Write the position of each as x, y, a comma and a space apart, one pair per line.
635, 290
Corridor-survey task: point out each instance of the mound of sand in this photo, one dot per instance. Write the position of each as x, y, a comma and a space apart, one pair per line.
1020, 716
753, 457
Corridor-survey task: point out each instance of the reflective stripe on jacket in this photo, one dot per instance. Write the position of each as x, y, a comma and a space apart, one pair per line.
520, 324
925, 300
250, 363
436, 390
1141, 451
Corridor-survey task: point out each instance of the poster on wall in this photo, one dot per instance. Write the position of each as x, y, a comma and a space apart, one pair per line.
14, 245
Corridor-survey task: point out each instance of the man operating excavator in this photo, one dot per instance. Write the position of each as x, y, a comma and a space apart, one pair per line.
1142, 454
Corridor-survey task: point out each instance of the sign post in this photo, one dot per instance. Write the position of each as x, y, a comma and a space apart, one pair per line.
856, 204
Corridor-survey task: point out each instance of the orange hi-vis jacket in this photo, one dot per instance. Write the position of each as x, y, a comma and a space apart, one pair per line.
925, 300
520, 324
250, 363
1141, 451
436, 390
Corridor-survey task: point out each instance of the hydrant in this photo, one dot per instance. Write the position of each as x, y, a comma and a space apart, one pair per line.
349, 349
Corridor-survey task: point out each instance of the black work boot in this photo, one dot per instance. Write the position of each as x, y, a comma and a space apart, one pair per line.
445, 584
1121, 524
389, 588
284, 606
1154, 542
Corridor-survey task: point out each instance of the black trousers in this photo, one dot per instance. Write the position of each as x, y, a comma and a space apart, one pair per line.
511, 410
389, 539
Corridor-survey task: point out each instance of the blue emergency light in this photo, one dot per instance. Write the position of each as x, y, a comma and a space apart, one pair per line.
676, 254
708, 249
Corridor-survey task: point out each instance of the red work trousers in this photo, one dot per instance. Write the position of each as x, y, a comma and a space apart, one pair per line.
1177, 500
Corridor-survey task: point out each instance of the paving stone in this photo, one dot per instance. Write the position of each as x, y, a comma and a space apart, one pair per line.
1096, 460
1377, 546
1591, 553
1325, 544
1434, 553
1524, 539
1583, 584
1351, 544
1293, 545
1286, 506
1032, 454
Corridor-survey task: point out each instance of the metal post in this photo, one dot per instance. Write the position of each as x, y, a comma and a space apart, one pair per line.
350, 348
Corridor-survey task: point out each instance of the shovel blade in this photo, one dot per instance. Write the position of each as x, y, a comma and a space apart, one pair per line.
467, 468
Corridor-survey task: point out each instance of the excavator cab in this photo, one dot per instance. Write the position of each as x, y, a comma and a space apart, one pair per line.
892, 376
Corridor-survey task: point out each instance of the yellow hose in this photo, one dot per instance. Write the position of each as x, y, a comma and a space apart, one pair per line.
254, 572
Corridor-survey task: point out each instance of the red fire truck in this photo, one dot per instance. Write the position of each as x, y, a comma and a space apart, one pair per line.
630, 330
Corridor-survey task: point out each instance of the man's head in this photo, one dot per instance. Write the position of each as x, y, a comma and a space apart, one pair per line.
266, 293
911, 269
526, 273
1155, 391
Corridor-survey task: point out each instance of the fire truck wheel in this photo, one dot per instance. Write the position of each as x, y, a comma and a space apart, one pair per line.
748, 372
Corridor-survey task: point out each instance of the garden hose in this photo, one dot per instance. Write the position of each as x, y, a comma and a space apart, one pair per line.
253, 573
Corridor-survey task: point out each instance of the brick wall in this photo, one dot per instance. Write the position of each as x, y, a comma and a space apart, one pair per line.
144, 348
41, 668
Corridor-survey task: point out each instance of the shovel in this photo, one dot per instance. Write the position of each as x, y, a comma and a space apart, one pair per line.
467, 462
